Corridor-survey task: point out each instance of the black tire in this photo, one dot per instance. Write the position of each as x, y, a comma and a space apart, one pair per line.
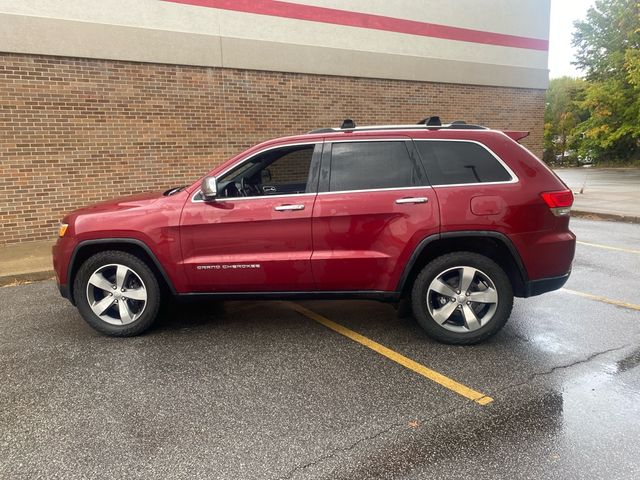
149, 313
457, 259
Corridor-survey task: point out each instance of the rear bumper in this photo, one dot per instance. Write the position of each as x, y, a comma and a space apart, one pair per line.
546, 254
544, 285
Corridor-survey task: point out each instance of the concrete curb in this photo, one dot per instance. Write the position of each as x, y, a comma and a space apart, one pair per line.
611, 217
26, 277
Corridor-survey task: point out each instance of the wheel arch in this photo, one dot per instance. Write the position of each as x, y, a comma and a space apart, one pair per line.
88, 248
493, 245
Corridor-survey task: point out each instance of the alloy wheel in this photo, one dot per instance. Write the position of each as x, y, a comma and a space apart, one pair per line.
116, 294
462, 299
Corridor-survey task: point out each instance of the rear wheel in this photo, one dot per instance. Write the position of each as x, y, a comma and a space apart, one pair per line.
117, 293
462, 298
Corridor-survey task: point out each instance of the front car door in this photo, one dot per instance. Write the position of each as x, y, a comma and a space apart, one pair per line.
256, 236
373, 208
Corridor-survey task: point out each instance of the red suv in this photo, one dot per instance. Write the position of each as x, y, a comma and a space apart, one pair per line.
456, 218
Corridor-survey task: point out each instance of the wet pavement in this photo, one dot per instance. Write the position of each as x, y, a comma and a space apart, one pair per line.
256, 390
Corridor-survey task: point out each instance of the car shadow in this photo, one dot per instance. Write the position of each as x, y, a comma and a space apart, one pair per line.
193, 313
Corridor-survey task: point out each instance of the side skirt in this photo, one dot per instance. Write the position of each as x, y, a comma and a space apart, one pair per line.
324, 295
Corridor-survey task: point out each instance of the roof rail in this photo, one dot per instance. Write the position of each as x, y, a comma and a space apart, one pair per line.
428, 123
323, 130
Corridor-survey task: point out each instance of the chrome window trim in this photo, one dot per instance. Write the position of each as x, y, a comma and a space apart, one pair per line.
403, 138
514, 177
246, 159
263, 197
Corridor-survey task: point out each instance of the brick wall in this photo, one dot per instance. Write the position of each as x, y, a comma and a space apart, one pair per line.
75, 131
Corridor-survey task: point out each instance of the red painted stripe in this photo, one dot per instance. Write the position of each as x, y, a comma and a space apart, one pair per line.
334, 16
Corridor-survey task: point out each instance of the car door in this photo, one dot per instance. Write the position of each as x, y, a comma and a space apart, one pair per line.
373, 208
256, 235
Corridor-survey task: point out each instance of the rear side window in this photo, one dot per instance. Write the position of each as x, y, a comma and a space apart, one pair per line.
450, 163
370, 165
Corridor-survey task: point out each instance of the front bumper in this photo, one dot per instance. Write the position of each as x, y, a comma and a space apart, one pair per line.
544, 285
61, 253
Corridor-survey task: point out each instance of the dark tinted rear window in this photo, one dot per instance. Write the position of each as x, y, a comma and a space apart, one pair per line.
450, 163
368, 165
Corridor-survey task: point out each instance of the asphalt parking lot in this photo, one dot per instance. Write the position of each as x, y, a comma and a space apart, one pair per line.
265, 390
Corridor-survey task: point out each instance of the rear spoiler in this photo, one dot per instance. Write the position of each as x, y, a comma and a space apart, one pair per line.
516, 135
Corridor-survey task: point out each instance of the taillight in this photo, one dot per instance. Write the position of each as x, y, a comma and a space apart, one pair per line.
558, 202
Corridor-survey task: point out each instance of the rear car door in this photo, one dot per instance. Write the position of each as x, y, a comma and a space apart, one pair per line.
474, 186
256, 236
373, 208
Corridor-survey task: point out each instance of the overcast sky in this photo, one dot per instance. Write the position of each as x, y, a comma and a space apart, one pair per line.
563, 14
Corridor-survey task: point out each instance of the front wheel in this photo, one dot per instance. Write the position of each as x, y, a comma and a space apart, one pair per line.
117, 293
462, 298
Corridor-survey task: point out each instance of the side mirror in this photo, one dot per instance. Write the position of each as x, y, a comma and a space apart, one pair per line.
209, 188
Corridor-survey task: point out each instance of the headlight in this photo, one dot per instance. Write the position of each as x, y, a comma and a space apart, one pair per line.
63, 229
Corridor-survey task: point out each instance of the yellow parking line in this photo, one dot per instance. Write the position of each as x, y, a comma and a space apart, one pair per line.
599, 298
432, 375
607, 247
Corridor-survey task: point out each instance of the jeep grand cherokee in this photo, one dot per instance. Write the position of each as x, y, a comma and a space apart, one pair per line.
456, 219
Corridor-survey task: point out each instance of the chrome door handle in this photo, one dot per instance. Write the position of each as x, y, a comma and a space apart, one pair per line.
285, 208
412, 200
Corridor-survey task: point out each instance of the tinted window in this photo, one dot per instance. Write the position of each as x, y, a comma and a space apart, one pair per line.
280, 171
367, 165
449, 163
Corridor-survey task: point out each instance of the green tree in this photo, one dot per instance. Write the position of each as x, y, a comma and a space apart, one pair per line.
561, 116
607, 43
